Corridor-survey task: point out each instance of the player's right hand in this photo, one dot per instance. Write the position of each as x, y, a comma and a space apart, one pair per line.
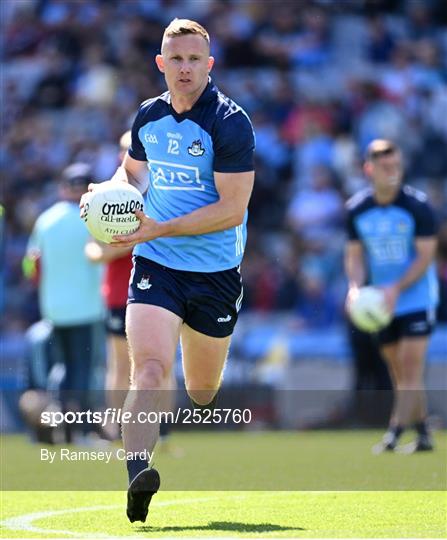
391, 295
148, 230
91, 187
82, 204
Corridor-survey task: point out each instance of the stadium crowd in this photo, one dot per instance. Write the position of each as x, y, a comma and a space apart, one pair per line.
320, 79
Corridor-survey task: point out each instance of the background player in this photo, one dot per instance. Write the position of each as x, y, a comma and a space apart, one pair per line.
69, 295
392, 244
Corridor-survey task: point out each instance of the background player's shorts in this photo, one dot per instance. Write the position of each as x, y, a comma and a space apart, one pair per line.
116, 321
419, 323
208, 302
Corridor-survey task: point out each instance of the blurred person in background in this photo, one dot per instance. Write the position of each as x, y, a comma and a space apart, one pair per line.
317, 209
69, 289
392, 245
43, 377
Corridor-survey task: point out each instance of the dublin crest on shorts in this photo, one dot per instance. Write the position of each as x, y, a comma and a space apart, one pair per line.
144, 283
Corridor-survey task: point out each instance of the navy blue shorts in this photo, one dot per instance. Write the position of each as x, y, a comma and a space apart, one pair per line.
419, 323
208, 302
116, 321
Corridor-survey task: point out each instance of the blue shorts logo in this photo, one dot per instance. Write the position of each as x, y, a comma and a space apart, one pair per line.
144, 284
166, 175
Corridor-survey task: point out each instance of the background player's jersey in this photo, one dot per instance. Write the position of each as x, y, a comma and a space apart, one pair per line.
69, 288
183, 151
388, 233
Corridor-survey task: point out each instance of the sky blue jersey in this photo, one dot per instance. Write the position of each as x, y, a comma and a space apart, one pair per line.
182, 152
69, 289
388, 234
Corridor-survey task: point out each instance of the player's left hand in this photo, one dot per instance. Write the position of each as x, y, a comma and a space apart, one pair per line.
148, 230
353, 292
391, 295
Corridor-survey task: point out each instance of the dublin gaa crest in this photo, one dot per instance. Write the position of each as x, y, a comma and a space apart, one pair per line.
196, 148
144, 283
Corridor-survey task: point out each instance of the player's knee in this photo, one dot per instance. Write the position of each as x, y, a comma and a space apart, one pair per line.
409, 384
411, 379
149, 375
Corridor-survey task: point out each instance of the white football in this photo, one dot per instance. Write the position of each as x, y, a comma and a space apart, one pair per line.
109, 210
368, 311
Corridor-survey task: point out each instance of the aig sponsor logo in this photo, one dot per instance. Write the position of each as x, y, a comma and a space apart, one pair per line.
166, 175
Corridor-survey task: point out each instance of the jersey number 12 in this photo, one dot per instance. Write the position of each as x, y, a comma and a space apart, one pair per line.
173, 147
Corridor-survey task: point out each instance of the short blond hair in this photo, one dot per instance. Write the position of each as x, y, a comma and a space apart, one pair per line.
183, 27
380, 147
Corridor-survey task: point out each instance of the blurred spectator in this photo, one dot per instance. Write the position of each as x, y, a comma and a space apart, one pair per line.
381, 42
96, 84
316, 305
69, 288
379, 118
397, 80
312, 47
315, 211
52, 91
420, 19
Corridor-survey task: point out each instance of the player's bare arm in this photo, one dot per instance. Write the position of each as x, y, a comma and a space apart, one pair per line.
133, 172
234, 194
425, 249
354, 263
354, 267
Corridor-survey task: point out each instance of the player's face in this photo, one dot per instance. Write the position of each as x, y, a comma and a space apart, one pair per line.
185, 62
386, 171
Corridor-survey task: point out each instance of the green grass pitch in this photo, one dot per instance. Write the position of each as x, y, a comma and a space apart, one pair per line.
387, 496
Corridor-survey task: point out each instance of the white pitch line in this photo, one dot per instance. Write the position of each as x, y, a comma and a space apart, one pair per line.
24, 522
